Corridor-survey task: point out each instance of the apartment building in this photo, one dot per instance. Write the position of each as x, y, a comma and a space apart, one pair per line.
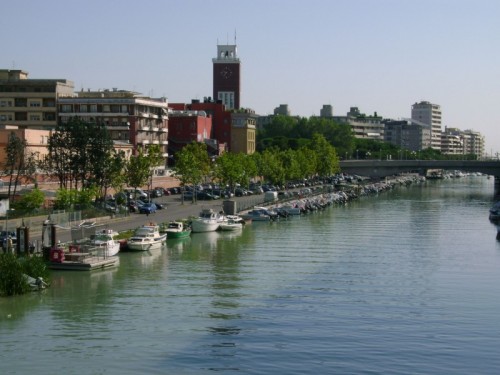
363, 126
128, 116
30, 103
407, 134
429, 114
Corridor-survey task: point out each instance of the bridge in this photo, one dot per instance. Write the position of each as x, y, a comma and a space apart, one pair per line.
383, 168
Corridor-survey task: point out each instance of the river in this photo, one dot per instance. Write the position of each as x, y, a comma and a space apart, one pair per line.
406, 282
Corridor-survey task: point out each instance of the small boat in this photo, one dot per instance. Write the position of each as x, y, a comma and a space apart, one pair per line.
232, 224
258, 214
147, 237
105, 244
176, 229
291, 209
207, 221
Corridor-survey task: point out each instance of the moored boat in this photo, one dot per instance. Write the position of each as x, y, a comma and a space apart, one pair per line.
207, 221
147, 237
176, 229
103, 241
231, 224
257, 214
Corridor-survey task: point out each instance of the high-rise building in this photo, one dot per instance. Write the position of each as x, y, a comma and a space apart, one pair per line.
226, 74
430, 114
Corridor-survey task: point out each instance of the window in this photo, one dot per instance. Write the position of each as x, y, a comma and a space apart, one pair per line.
35, 103
83, 108
93, 108
66, 108
35, 117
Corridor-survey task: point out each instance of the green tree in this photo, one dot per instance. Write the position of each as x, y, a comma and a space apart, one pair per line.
137, 170
192, 164
307, 161
228, 169
78, 153
30, 201
290, 164
271, 168
326, 156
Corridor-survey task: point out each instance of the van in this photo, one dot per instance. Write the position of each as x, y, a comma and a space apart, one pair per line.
135, 193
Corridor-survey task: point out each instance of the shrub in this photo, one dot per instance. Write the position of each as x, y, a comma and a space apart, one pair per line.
13, 271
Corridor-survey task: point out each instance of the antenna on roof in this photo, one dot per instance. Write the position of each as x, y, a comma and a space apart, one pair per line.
234, 36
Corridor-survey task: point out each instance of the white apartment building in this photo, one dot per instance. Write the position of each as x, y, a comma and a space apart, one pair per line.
430, 114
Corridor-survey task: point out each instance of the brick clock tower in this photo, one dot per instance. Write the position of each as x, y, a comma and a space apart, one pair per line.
227, 76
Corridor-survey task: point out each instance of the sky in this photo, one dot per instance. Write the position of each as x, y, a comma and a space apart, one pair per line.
378, 55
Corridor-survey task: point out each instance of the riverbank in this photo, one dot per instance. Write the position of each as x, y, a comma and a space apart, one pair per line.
176, 209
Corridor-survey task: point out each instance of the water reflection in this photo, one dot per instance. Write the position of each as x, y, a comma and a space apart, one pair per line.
178, 244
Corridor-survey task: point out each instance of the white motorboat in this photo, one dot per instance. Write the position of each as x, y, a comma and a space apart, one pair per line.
105, 244
232, 223
147, 237
208, 221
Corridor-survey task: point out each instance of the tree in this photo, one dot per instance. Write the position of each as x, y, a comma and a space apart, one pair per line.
78, 153
228, 169
30, 201
15, 161
326, 156
192, 164
290, 164
139, 169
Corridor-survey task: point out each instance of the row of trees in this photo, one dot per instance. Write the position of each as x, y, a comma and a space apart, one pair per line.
316, 157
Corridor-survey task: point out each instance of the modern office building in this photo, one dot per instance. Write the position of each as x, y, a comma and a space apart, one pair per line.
30, 103
226, 76
430, 114
129, 116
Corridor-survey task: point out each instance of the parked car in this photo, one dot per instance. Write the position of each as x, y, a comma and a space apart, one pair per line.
159, 206
147, 208
207, 196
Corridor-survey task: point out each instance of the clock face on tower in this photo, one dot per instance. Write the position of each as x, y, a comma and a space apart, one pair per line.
226, 72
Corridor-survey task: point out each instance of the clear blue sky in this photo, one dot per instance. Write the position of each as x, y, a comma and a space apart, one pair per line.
378, 55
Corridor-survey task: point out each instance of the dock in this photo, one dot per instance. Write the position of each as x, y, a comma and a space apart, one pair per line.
86, 264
